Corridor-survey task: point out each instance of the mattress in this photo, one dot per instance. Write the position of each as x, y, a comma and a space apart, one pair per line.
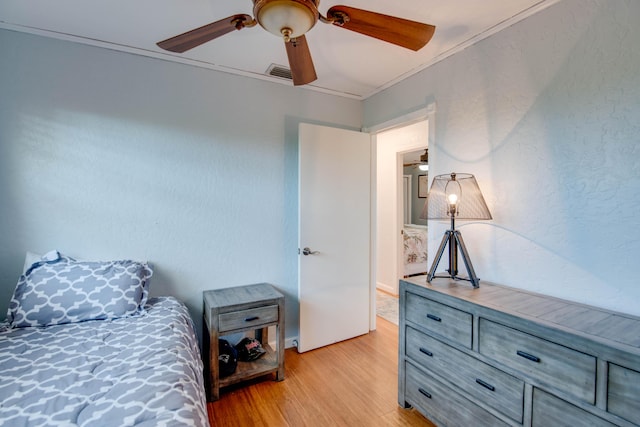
144, 370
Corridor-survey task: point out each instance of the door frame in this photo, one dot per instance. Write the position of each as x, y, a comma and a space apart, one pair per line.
427, 113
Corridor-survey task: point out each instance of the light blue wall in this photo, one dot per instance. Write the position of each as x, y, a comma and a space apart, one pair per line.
109, 155
106, 154
417, 204
546, 114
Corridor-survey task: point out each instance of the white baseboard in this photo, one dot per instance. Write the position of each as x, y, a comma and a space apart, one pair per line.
386, 288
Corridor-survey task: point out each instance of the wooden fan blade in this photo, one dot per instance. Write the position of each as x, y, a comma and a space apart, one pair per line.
402, 32
190, 39
300, 61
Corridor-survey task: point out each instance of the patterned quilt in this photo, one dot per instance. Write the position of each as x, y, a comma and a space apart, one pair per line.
135, 371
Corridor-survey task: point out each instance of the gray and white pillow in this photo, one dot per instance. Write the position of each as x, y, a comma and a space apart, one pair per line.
63, 290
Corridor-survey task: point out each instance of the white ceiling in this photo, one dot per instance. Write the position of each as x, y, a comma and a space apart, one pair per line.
347, 63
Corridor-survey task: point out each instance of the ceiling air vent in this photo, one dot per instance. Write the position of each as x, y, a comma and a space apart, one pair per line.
279, 71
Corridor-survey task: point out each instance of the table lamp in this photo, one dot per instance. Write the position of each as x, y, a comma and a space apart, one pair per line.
455, 196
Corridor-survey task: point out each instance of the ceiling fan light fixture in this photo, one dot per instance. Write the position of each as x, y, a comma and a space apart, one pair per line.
424, 157
424, 161
288, 18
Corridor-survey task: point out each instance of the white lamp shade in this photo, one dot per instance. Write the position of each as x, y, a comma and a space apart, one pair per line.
469, 203
280, 14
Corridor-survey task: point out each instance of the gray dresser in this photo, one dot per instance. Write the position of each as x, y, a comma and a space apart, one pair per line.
497, 356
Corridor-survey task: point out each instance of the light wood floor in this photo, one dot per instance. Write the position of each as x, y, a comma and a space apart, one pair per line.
352, 383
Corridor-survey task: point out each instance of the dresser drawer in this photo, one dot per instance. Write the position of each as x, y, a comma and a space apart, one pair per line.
447, 407
448, 322
479, 380
548, 410
623, 397
247, 318
567, 370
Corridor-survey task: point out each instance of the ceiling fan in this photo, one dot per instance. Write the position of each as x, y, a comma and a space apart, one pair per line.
292, 19
423, 163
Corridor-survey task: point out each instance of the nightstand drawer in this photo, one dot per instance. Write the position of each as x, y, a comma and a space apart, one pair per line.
624, 393
444, 404
247, 318
546, 362
549, 410
480, 381
448, 322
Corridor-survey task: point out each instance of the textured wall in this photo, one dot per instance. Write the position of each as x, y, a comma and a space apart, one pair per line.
546, 114
109, 155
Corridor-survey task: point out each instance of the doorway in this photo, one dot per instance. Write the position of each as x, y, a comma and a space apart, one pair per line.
392, 145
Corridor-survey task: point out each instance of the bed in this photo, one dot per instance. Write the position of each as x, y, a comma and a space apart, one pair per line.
84, 345
415, 249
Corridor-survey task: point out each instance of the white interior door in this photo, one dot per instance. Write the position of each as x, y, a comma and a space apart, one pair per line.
334, 221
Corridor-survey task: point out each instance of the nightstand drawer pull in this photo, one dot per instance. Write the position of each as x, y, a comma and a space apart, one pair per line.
424, 392
251, 319
485, 384
528, 356
434, 317
425, 351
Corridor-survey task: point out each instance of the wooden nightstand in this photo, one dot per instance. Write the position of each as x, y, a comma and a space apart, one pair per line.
240, 309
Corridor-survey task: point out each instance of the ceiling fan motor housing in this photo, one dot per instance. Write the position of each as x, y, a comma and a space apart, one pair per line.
288, 18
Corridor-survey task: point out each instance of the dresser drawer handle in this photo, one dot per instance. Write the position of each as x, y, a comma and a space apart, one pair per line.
434, 317
425, 392
425, 351
528, 356
485, 384
251, 319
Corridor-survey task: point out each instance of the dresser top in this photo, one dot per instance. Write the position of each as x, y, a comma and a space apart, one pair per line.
593, 322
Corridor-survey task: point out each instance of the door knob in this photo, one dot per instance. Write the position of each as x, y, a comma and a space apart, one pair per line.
307, 251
